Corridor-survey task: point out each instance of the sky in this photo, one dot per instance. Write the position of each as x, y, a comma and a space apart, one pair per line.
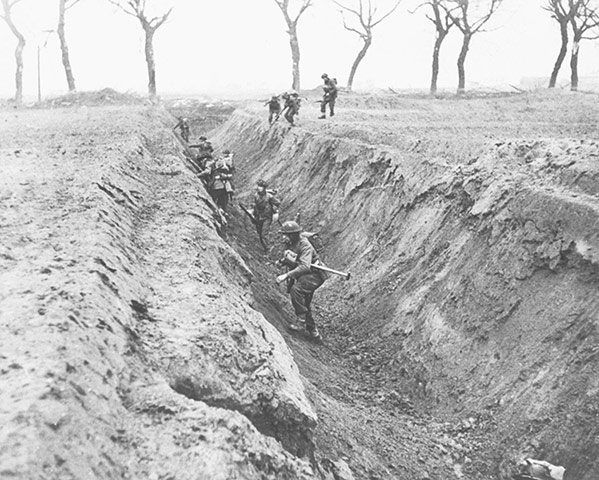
237, 48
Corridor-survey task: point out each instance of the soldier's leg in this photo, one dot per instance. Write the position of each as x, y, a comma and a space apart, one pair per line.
332, 106
302, 292
323, 106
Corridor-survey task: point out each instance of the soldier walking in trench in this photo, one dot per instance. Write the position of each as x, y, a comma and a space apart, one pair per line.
266, 211
302, 278
183, 126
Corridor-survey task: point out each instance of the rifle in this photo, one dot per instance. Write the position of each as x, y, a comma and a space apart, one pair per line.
256, 224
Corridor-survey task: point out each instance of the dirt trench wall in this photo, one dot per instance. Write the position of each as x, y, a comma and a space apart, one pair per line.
129, 345
474, 281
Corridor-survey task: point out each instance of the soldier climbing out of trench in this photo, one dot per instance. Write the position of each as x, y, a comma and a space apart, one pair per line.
303, 278
329, 96
274, 109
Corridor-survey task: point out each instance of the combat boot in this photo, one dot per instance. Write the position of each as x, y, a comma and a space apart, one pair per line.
322, 117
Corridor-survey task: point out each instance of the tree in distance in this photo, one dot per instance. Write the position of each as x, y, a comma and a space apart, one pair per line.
469, 16
584, 23
7, 8
139, 10
562, 11
63, 6
365, 19
443, 22
291, 21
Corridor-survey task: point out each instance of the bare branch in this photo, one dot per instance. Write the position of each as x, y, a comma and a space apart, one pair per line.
387, 14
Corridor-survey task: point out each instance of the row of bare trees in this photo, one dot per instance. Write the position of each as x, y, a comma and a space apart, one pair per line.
469, 17
136, 8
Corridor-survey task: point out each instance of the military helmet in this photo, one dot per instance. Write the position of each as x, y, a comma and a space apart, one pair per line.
290, 227
324, 75
262, 183
202, 138
226, 152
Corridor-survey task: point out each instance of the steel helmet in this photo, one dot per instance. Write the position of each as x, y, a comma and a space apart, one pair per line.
324, 75
227, 152
262, 183
290, 227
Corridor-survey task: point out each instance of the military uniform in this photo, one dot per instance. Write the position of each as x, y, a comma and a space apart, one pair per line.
219, 174
274, 109
330, 94
304, 281
292, 106
183, 125
266, 205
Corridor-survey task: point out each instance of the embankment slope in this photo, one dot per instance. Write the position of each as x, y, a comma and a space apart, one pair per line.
129, 345
471, 230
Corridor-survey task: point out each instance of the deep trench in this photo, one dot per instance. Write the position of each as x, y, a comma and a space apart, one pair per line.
445, 386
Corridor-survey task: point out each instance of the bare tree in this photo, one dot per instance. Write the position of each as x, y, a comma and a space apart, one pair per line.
585, 20
63, 6
443, 23
562, 11
469, 16
138, 9
291, 22
365, 16
7, 6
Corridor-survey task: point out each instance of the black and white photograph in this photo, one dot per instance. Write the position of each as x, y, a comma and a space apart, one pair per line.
299, 240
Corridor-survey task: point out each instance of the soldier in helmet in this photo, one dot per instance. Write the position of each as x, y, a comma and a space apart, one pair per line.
183, 125
303, 279
219, 174
266, 211
330, 94
292, 106
274, 109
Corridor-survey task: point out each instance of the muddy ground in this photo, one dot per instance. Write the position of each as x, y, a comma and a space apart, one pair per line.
144, 336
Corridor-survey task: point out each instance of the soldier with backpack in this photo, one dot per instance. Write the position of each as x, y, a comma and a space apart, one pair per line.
274, 109
303, 279
330, 94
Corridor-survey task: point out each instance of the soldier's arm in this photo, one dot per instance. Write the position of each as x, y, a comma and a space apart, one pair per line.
304, 261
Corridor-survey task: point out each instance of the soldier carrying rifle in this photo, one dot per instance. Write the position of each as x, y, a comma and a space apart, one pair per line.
329, 96
303, 277
265, 212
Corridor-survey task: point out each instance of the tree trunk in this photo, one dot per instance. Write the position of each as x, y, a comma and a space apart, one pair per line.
359, 58
562, 54
149, 48
66, 63
461, 62
18, 53
441, 34
295, 57
574, 65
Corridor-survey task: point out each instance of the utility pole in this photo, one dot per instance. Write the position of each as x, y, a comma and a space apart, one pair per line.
39, 64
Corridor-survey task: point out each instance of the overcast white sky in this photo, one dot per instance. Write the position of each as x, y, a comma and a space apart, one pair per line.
225, 47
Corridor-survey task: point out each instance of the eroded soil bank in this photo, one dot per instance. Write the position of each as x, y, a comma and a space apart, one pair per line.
129, 346
471, 230
144, 338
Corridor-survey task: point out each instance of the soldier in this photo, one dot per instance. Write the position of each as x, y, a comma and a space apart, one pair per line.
303, 279
183, 125
204, 154
219, 174
330, 94
274, 109
266, 211
292, 106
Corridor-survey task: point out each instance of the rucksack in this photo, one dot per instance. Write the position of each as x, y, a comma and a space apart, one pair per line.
315, 241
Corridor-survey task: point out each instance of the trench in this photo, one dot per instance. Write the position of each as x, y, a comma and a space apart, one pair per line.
471, 254
466, 339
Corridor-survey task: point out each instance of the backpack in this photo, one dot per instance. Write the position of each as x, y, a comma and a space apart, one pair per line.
315, 241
